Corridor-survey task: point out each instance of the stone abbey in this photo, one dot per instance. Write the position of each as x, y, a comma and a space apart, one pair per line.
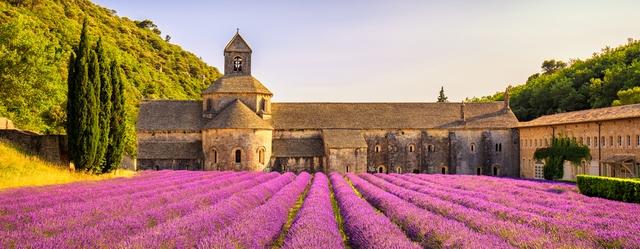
236, 127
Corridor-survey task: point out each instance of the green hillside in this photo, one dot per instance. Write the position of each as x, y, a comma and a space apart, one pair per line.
37, 37
611, 77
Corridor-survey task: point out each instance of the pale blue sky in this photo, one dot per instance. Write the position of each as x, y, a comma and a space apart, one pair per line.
391, 50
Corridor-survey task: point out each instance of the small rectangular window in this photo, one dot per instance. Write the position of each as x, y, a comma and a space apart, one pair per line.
628, 141
611, 141
619, 140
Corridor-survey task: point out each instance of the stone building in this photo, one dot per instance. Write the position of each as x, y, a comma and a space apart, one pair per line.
612, 135
236, 127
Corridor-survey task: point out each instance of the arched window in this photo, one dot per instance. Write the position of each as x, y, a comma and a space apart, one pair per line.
412, 148
263, 105
261, 155
473, 147
209, 104
346, 169
237, 64
431, 148
610, 141
496, 171
381, 169
215, 156
478, 171
398, 170
619, 141
444, 170
238, 155
377, 148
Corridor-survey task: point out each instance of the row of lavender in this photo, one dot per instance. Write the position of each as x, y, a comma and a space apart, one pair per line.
459, 211
183, 209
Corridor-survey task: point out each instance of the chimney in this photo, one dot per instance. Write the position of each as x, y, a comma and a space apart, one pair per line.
462, 116
506, 98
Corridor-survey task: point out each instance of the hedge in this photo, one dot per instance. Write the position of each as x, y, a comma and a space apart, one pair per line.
627, 190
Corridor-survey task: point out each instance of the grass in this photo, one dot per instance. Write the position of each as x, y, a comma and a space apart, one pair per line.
293, 212
18, 169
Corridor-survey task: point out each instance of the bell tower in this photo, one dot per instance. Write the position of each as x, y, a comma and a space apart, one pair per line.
237, 57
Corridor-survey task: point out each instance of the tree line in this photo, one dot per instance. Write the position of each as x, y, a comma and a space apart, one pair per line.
608, 78
95, 107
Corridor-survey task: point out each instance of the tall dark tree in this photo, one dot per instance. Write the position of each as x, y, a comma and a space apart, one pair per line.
441, 97
82, 121
117, 129
104, 117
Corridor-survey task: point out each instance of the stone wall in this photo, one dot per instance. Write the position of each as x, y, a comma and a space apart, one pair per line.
6, 124
52, 148
467, 151
347, 160
220, 145
620, 137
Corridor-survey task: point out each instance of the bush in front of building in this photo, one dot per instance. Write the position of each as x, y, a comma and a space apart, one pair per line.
627, 190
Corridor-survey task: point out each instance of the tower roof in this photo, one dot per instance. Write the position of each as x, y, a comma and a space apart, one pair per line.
237, 84
237, 116
237, 44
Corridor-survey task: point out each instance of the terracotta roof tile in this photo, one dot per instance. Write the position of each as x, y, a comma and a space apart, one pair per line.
600, 114
170, 115
237, 115
340, 139
390, 115
237, 84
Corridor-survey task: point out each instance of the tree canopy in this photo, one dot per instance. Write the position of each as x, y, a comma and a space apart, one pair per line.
37, 38
562, 149
608, 78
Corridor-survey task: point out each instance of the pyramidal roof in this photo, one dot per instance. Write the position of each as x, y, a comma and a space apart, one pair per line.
237, 84
237, 116
237, 44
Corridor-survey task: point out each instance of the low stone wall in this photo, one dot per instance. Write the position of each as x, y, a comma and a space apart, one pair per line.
52, 148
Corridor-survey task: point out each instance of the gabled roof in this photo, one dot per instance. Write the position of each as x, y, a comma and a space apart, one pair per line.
170, 115
340, 139
237, 44
237, 84
592, 115
237, 116
298, 147
390, 115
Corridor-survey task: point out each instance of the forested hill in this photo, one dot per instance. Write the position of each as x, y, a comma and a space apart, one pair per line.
37, 37
611, 77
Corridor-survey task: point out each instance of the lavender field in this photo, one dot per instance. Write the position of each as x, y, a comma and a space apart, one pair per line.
189, 209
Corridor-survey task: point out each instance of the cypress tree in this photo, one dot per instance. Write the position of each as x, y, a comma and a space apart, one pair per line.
88, 109
104, 116
82, 119
72, 99
115, 148
441, 97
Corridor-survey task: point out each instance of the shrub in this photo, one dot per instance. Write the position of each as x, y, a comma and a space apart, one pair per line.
627, 190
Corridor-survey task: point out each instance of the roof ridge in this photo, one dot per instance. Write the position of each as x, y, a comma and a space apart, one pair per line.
376, 103
171, 100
